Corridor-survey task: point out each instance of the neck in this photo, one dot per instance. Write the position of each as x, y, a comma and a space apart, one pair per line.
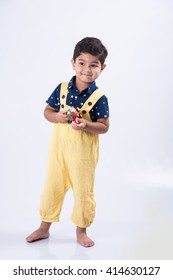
81, 85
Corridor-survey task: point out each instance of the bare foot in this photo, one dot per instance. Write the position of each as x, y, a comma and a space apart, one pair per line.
82, 237
37, 235
41, 233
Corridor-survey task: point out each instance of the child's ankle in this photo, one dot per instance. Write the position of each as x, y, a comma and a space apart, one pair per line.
45, 226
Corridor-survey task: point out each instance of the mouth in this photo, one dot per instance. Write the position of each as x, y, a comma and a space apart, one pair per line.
87, 75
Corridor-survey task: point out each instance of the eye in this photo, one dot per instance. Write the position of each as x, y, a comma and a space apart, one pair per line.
81, 63
94, 65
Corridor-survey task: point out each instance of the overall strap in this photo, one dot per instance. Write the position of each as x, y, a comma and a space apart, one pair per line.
88, 105
63, 95
90, 102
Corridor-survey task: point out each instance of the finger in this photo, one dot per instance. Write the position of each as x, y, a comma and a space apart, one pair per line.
79, 120
63, 112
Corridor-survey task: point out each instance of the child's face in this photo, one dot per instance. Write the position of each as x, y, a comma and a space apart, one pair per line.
87, 68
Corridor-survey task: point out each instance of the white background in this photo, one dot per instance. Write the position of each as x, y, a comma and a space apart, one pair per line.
134, 179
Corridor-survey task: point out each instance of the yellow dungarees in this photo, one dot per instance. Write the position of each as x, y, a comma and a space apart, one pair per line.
72, 160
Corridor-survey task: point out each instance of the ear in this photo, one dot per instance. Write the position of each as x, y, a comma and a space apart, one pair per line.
103, 67
73, 63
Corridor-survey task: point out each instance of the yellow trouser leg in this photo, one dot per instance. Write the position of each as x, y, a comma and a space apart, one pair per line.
81, 168
56, 183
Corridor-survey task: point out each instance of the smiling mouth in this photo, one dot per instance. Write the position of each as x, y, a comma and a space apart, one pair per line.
87, 75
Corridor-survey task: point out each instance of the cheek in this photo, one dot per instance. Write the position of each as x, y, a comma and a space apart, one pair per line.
76, 67
97, 73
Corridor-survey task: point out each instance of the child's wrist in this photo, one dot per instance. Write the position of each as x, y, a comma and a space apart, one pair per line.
56, 117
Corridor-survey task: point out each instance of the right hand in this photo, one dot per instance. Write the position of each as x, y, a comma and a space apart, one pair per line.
61, 116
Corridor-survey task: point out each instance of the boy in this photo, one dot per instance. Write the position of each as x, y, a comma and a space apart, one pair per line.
73, 152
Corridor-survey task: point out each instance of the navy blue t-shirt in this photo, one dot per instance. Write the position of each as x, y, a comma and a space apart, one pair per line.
76, 99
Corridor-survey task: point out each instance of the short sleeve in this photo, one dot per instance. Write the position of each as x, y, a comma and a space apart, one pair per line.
54, 99
100, 109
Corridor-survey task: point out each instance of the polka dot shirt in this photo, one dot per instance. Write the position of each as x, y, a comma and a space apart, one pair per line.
77, 99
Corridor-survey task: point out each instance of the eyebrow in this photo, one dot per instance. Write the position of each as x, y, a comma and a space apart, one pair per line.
96, 61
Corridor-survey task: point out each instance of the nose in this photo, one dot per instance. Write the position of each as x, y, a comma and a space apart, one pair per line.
88, 68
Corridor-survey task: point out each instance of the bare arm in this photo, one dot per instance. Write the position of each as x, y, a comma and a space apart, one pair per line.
99, 127
52, 116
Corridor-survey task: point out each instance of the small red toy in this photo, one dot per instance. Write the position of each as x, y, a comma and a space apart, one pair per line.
73, 114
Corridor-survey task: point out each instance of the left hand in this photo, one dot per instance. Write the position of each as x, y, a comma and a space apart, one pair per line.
82, 124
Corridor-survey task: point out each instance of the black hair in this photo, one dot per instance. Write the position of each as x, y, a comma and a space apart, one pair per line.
92, 46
